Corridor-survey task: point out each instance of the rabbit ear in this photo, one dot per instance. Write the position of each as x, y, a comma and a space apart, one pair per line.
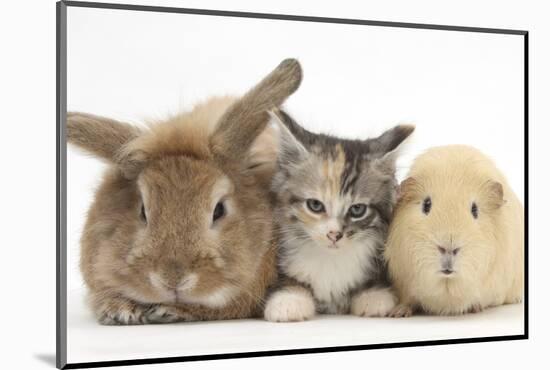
100, 136
248, 116
261, 161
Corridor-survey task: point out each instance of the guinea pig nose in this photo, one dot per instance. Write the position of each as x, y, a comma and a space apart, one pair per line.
455, 251
334, 236
441, 249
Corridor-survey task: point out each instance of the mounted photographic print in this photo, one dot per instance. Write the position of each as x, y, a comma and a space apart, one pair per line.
240, 184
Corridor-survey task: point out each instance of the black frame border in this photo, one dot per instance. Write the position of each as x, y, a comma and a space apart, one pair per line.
61, 184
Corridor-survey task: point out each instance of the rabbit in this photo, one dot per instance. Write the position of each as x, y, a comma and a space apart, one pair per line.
456, 241
181, 226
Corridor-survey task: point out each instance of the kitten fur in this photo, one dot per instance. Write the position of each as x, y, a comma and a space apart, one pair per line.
349, 274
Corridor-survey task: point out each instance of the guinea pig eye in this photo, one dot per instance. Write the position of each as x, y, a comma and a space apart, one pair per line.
427, 205
219, 212
142, 214
358, 210
315, 206
474, 210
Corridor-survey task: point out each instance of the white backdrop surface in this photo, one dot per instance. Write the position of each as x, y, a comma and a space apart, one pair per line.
456, 87
28, 207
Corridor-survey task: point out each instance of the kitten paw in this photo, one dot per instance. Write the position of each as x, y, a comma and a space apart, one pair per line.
290, 304
401, 310
374, 302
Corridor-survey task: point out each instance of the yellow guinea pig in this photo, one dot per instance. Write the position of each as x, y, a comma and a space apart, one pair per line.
455, 244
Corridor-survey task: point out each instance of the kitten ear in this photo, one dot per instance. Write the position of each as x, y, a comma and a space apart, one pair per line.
385, 148
390, 139
291, 150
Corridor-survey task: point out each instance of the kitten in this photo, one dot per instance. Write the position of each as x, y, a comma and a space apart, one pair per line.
333, 203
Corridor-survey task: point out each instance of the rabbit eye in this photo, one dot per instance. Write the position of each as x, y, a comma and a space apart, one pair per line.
219, 211
427, 205
474, 210
142, 214
358, 210
315, 206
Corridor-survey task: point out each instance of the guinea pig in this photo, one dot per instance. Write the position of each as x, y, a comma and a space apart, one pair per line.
456, 242
181, 225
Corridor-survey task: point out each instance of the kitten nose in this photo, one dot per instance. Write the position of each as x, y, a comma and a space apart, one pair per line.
334, 236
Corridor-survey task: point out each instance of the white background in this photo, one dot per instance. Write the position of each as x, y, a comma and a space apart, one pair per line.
29, 183
457, 87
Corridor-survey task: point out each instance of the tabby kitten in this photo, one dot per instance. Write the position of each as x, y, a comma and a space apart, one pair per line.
333, 203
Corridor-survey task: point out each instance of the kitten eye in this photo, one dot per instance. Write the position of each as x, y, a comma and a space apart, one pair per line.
427, 205
219, 212
142, 214
358, 210
474, 210
315, 205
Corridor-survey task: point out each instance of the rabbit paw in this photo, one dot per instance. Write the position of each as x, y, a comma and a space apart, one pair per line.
158, 314
290, 304
401, 310
374, 302
121, 312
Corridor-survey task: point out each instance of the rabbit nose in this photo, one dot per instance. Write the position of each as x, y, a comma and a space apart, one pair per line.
173, 272
163, 281
334, 236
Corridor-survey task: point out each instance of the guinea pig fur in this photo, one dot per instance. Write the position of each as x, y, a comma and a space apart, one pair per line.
181, 226
456, 241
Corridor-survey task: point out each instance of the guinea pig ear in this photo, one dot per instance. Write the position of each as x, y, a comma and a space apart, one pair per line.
495, 194
407, 190
247, 117
99, 136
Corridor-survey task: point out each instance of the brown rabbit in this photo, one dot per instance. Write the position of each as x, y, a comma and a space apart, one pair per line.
181, 226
